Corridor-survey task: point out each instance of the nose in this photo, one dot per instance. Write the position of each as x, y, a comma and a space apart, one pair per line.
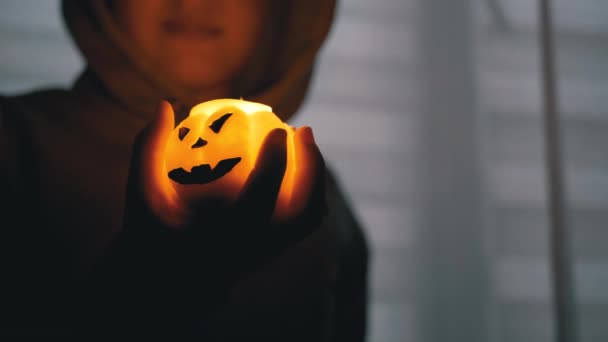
199, 143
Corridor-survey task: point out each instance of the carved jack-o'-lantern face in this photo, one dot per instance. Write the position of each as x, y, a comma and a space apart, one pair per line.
213, 151
203, 173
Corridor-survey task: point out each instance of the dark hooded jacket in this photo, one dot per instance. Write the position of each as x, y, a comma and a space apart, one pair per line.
65, 155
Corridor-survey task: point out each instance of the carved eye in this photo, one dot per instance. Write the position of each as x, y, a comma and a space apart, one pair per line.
216, 126
182, 132
199, 143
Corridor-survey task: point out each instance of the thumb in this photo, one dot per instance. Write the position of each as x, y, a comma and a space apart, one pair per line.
149, 171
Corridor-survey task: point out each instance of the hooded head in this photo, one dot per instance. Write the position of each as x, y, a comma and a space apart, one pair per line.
194, 51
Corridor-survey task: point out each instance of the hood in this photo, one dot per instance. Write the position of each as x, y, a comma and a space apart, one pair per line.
279, 79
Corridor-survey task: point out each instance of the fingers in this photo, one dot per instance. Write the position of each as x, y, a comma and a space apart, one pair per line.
304, 209
308, 176
157, 189
262, 187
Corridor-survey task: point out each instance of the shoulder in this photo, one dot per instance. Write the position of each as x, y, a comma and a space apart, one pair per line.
342, 214
337, 198
18, 110
39, 100
17, 113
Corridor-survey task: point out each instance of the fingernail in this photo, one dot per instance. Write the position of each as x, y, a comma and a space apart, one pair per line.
277, 136
165, 103
307, 135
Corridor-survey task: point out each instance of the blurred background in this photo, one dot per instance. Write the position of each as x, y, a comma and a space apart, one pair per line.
431, 112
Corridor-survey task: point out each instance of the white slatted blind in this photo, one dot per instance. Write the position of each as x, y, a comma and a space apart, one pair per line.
511, 104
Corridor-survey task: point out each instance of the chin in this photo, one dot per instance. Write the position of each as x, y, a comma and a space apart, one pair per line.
198, 67
194, 78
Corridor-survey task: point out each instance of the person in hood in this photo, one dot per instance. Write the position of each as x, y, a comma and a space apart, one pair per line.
72, 261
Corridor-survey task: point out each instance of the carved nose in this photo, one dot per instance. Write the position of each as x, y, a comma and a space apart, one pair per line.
199, 143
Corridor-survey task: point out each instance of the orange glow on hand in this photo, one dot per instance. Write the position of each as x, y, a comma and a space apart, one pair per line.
212, 152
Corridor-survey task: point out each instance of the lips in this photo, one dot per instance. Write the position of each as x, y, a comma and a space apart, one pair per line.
185, 29
203, 174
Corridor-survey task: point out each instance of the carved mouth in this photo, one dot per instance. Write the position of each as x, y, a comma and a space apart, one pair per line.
203, 174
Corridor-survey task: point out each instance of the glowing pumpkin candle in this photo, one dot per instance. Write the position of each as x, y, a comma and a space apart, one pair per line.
213, 151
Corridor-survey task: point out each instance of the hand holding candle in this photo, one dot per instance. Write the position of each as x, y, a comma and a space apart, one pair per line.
212, 154
208, 201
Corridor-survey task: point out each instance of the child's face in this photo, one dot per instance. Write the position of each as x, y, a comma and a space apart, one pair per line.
202, 44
